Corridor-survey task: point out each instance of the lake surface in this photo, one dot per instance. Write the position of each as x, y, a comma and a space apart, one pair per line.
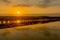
48, 31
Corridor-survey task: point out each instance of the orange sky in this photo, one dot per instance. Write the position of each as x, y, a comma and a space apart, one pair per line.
10, 11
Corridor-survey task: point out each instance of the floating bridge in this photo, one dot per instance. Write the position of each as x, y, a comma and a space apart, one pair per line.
7, 22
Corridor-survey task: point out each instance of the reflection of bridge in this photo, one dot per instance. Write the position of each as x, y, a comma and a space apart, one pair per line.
6, 22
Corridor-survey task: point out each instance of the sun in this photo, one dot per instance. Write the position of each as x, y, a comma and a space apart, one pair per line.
18, 12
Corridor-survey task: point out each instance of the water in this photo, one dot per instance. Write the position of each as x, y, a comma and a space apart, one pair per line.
48, 31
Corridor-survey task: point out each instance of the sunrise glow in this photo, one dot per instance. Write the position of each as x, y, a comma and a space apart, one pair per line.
18, 12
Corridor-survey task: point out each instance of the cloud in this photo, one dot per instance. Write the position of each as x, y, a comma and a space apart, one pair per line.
6, 1
31, 2
34, 2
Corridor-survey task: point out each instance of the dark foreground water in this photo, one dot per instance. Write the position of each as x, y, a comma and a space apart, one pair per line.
48, 31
